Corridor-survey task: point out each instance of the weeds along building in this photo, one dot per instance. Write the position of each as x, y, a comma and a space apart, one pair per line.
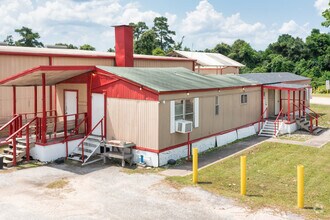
159, 103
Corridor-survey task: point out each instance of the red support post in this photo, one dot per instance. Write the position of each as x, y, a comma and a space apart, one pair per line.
188, 144
82, 152
14, 100
35, 100
27, 143
294, 105
311, 124
304, 104
51, 100
14, 151
280, 99
44, 115
262, 102
289, 105
65, 136
299, 104
89, 102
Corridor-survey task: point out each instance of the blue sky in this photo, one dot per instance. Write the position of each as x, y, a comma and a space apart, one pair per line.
204, 23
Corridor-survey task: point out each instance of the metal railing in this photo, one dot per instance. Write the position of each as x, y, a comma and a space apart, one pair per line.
261, 119
311, 117
27, 137
276, 122
89, 133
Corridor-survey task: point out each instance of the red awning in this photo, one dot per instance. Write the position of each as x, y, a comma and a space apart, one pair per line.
54, 75
284, 86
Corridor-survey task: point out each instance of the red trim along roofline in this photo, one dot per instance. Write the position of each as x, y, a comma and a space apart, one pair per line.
46, 68
210, 89
13, 53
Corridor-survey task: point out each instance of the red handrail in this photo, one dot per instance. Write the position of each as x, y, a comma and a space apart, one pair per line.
311, 117
89, 133
25, 114
27, 136
10, 122
76, 128
261, 118
21, 129
276, 120
316, 114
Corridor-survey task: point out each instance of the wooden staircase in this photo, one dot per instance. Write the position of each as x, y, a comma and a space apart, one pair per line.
20, 151
306, 125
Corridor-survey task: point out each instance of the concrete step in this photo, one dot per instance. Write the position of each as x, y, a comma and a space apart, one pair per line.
266, 135
317, 131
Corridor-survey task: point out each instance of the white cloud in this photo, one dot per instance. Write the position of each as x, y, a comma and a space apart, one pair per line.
205, 22
321, 5
291, 27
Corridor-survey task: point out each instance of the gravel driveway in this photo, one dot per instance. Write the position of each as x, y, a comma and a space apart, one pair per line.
105, 192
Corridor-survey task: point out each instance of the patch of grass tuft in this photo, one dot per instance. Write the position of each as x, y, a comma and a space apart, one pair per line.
58, 184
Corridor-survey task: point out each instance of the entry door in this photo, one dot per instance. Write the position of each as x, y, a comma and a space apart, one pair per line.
271, 103
277, 102
71, 103
97, 111
265, 103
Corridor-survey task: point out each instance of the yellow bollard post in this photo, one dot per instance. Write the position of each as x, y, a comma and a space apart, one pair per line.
300, 186
195, 166
243, 175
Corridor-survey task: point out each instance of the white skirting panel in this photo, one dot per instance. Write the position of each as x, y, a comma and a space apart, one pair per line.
52, 152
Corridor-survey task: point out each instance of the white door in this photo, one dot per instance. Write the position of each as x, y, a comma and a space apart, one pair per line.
97, 111
277, 102
71, 103
265, 102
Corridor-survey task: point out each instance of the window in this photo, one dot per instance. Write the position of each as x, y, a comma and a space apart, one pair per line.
217, 106
243, 98
184, 109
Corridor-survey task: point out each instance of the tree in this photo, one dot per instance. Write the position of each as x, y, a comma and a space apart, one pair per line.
87, 47
68, 46
222, 48
242, 52
318, 43
111, 50
9, 40
139, 29
326, 15
163, 33
178, 45
158, 52
289, 47
146, 44
29, 38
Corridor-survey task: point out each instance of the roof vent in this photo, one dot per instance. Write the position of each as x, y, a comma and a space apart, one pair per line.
3, 44
57, 46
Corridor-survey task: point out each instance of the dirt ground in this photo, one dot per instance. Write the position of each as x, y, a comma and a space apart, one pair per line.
105, 192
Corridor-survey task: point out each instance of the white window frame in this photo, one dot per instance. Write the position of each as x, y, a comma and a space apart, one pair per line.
217, 105
244, 101
184, 114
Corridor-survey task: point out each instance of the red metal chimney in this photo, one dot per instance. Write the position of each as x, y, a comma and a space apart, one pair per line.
124, 45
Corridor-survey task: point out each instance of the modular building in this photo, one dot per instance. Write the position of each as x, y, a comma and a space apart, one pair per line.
164, 111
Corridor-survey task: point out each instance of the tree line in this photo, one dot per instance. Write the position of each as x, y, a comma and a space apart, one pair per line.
310, 58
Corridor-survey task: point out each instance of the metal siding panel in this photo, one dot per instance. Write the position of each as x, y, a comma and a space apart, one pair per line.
82, 61
133, 120
232, 114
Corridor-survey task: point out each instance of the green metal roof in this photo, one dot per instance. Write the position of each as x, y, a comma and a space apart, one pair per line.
175, 79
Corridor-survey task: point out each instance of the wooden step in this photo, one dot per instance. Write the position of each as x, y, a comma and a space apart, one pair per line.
10, 150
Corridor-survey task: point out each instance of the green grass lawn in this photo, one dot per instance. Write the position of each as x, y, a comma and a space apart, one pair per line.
271, 172
322, 95
324, 110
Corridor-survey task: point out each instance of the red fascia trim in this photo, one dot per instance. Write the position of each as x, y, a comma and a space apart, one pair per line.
46, 68
287, 89
211, 89
303, 80
164, 59
192, 141
54, 55
88, 56
128, 81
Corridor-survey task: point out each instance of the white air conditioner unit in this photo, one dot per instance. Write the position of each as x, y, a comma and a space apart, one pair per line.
183, 126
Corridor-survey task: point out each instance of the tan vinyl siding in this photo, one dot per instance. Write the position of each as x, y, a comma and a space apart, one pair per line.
162, 63
82, 96
227, 70
232, 113
72, 61
133, 120
10, 65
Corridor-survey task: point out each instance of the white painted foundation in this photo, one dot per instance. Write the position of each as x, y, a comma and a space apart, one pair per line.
52, 152
155, 160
